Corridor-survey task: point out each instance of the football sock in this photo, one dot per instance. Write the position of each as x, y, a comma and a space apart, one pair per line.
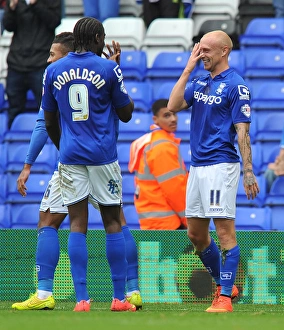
47, 256
228, 269
210, 258
116, 256
132, 260
78, 254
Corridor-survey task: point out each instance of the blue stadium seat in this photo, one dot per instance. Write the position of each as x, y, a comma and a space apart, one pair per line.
268, 96
3, 157
164, 90
260, 198
137, 126
133, 64
5, 216
123, 152
128, 189
167, 67
264, 63
269, 152
185, 153
251, 218
45, 162
141, 94
3, 124
131, 217
3, 188
183, 127
2, 96
263, 32
275, 200
21, 128
269, 126
36, 186
25, 216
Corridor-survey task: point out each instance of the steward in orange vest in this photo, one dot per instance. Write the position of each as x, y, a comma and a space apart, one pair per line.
160, 173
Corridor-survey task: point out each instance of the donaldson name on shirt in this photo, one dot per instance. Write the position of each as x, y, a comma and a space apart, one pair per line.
79, 73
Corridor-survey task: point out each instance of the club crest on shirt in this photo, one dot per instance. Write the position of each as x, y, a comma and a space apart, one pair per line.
118, 73
243, 92
219, 90
245, 109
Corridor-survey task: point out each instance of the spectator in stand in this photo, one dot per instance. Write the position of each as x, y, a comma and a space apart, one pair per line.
33, 23
276, 168
160, 173
279, 8
101, 9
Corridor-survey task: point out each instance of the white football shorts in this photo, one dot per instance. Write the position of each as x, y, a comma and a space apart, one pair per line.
211, 191
52, 198
103, 184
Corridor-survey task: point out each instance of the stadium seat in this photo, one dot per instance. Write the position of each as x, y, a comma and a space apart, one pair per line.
131, 217
269, 126
123, 151
130, 8
67, 24
275, 200
264, 63
128, 189
268, 96
183, 127
3, 157
2, 97
185, 153
263, 32
25, 216
5, 216
3, 188
3, 125
21, 128
128, 31
141, 94
216, 7
259, 199
164, 91
133, 64
137, 126
251, 218
5, 42
167, 34
45, 162
251, 9
269, 151
166, 67
36, 186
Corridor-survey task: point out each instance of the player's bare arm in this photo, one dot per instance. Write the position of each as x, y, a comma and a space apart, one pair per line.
22, 179
176, 100
249, 180
52, 127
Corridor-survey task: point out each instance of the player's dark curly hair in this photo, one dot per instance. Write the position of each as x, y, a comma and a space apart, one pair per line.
66, 39
85, 33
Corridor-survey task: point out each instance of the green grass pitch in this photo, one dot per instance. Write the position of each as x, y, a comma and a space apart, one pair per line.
153, 316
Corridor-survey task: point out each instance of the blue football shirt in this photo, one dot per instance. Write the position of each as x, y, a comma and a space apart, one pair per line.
217, 104
86, 89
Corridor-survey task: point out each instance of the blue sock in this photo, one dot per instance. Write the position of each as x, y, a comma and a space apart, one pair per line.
116, 256
78, 254
47, 256
210, 258
132, 260
229, 266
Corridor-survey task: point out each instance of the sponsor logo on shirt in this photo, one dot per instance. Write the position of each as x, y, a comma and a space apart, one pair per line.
245, 109
207, 99
243, 92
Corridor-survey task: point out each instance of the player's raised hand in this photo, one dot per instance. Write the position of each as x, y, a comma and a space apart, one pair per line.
114, 52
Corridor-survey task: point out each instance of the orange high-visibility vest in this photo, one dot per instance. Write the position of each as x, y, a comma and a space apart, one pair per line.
160, 180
